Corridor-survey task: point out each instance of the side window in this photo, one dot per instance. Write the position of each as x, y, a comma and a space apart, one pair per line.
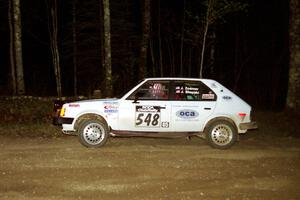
152, 90
192, 91
206, 94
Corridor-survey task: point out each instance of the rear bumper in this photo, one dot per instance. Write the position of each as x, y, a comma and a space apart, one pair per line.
62, 120
249, 125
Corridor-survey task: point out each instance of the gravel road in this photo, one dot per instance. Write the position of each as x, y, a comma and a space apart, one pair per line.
148, 168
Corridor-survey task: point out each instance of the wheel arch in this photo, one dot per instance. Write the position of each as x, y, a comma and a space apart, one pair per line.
95, 116
220, 118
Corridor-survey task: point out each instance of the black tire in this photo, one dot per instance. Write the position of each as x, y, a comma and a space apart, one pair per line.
93, 133
221, 134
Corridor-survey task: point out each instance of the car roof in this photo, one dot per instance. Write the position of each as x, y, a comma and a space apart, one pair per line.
179, 78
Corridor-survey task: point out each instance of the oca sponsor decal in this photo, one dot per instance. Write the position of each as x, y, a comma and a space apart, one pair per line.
187, 114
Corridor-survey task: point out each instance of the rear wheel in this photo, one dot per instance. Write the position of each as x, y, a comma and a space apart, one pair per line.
93, 133
221, 134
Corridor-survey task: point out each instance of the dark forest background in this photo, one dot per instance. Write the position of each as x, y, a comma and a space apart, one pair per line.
247, 50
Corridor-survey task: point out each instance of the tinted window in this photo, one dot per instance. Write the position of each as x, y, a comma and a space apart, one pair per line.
192, 91
152, 90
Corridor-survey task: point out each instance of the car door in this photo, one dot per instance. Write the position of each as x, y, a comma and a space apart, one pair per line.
193, 102
147, 109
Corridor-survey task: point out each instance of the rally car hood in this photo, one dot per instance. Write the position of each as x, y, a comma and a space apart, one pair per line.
95, 100
97, 106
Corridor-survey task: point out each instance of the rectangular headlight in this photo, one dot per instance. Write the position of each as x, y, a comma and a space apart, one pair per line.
62, 112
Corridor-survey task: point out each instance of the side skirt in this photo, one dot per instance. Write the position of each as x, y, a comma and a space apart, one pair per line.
154, 134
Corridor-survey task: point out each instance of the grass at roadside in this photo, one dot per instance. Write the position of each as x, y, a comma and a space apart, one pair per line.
27, 117
27, 109
281, 124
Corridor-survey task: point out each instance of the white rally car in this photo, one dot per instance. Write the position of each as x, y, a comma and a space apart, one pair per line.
161, 107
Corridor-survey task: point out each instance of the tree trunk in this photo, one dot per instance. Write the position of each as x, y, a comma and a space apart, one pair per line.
171, 57
182, 40
107, 49
293, 96
54, 46
145, 40
11, 49
161, 69
208, 10
74, 48
212, 54
190, 62
18, 47
154, 74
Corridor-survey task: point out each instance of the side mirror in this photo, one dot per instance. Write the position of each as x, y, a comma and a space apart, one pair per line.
137, 96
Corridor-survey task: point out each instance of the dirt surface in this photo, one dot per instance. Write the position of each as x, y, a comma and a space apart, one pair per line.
146, 168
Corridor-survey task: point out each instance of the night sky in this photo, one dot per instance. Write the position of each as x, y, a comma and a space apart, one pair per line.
251, 48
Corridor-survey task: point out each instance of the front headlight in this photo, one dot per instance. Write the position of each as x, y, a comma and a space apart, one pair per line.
62, 112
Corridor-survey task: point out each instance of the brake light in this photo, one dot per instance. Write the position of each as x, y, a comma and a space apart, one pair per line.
62, 112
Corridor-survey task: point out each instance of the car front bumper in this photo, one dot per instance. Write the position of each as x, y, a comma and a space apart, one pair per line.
248, 125
62, 120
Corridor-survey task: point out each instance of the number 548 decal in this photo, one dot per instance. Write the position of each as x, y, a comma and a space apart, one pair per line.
147, 116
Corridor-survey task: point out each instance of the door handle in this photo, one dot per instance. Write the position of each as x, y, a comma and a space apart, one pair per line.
161, 107
207, 108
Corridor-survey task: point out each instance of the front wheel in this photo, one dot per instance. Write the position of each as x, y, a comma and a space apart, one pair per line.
93, 133
221, 134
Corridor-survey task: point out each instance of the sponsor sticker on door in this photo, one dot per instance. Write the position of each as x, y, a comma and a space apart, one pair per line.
111, 107
187, 114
